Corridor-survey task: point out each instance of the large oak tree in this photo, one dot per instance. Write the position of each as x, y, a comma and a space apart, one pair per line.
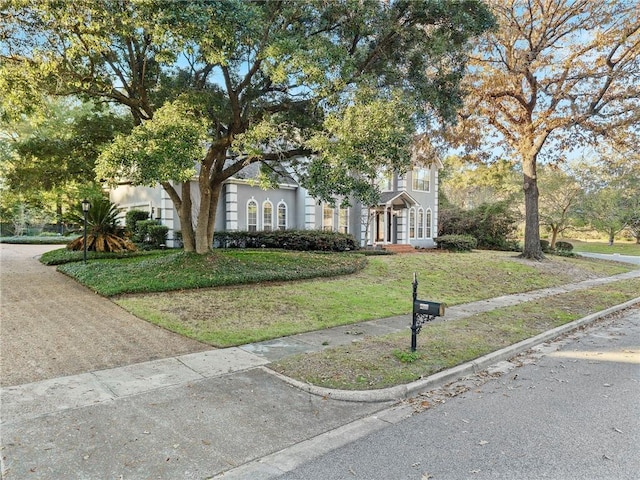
554, 75
232, 82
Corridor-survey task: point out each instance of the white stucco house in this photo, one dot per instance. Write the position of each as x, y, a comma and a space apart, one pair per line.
406, 214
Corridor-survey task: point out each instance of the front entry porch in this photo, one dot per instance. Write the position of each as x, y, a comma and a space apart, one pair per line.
390, 219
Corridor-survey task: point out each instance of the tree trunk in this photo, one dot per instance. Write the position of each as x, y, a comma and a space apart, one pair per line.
554, 236
186, 219
60, 225
532, 248
202, 237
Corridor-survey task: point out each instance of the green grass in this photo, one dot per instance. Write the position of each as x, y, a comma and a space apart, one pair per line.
61, 256
164, 271
238, 315
622, 248
378, 362
38, 240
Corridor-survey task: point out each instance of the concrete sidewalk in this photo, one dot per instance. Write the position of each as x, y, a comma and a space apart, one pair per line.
196, 415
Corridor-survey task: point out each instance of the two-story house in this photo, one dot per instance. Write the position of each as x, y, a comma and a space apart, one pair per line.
406, 214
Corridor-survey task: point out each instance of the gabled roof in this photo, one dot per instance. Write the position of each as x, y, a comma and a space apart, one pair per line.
402, 199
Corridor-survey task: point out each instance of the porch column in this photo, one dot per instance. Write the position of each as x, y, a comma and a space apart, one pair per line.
386, 225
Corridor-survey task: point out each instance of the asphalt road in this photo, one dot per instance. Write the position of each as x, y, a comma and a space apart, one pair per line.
564, 413
616, 257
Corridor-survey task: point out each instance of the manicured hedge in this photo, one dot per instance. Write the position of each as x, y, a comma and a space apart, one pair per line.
304, 240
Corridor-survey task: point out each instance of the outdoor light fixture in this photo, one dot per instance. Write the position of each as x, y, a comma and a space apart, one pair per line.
85, 209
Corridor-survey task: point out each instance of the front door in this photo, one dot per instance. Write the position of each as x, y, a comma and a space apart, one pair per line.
386, 231
379, 227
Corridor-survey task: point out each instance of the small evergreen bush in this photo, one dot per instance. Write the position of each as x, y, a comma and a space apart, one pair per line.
158, 235
151, 234
132, 217
544, 245
564, 246
457, 243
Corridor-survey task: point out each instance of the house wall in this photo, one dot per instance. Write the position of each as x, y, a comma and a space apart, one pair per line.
428, 201
246, 192
127, 197
303, 211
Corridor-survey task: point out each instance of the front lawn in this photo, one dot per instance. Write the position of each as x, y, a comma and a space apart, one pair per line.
385, 361
243, 314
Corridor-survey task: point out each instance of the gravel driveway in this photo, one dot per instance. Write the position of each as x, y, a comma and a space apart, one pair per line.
50, 326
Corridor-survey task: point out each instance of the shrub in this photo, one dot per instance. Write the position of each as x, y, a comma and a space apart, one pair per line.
132, 218
492, 225
305, 240
103, 232
158, 235
564, 246
457, 243
151, 234
544, 245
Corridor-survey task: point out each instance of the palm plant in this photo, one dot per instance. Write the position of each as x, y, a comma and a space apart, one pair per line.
103, 232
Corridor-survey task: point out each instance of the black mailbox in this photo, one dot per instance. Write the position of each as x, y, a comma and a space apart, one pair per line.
423, 311
425, 307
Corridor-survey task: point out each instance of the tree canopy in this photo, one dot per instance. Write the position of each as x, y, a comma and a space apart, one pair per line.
47, 155
555, 75
334, 88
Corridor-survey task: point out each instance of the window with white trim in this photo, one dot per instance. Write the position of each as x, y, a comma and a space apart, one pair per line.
412, 223
428, 223
267, 216
420, 222
282, 216
327, 217
420, 181
252, 215
384, 181
343, 220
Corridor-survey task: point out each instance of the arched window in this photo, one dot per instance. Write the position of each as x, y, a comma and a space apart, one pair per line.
412, 223
252, 215
282, 216
420, 223
267, 216
428, 223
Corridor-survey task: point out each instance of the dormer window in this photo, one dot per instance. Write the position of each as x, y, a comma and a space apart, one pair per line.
421, 179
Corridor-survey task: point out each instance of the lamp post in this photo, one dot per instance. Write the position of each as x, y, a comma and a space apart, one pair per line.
85, 209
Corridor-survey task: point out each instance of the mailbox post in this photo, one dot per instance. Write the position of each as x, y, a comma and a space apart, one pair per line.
423, 311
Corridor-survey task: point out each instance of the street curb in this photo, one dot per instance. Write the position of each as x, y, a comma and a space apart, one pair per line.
400, 392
